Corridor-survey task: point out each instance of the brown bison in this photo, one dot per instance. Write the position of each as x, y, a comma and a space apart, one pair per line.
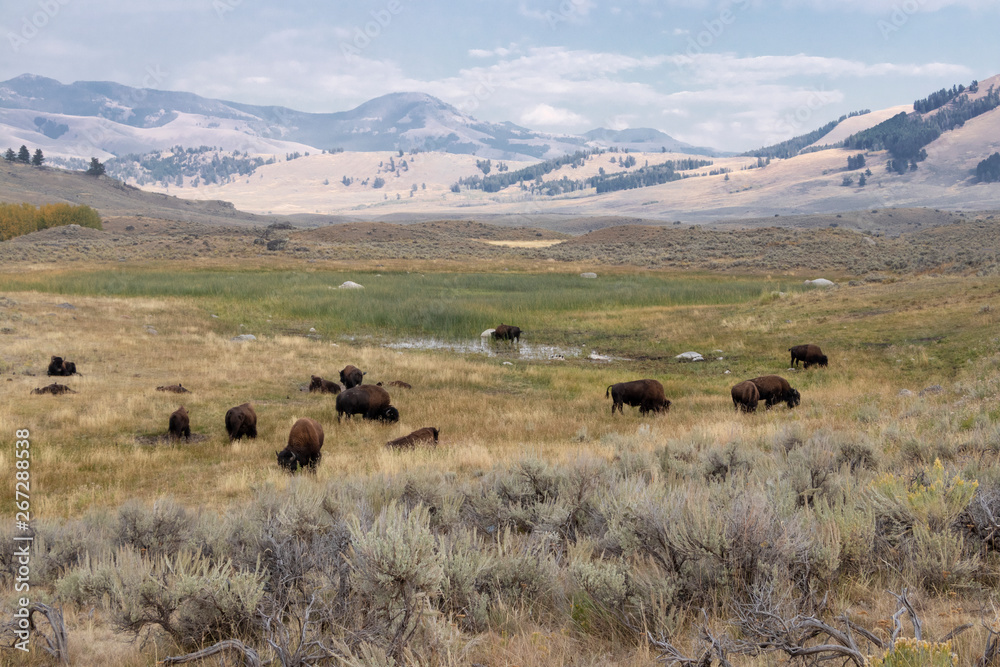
428, 434
61, 368
173, 388
324, 386
305, 441
368, 400
397, 383
647, 394
507, 332
241, 421
179, 424
775, 389
351, 376
808, 354
745, 396
54, 389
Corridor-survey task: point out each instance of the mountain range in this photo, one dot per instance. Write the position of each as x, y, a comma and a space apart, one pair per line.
103, 119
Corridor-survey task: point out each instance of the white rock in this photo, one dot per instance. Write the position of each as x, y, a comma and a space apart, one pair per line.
350, 284
486, 334
507, 363
820, 282
588, 274
312, 329
243, 338
689, 356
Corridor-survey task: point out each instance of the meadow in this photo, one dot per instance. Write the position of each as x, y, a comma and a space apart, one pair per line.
542, 530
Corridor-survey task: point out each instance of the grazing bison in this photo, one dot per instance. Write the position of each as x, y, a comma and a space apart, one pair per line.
647, 394
54, 389
428, 434
61, 368
305, 441
241, 421
775, 389
179, 424
397, 383
507, 332
808, 354
351, 376
324, 386
173, 388
368, 400
745, 396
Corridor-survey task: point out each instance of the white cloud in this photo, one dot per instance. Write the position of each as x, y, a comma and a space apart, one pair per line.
547, 116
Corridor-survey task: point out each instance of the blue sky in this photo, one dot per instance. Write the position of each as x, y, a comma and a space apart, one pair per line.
731, 75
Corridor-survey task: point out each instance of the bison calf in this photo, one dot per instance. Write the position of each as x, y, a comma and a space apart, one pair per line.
241, 421
324, 386
809, 354
647, 394
428, 434
305, 441
179, 424
351, 376
745, 396
775, 389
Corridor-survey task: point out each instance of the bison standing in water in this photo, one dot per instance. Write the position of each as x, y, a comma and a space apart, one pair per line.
179, 424
241, 421
775, 389
305, 441
647, 394
351, 376
368, 400
507, 332
745, 396
808, 354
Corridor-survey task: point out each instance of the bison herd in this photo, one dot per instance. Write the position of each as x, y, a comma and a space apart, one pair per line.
372, 402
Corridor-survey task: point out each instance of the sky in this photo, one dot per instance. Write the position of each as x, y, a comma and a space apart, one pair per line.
732, 75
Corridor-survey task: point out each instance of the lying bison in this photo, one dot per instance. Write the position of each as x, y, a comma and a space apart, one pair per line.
745, 396
241, 421
397, 383
61, 368
173, 388
507, 332
368, 400
428, 434
54, 389
324, 386
808, 354
351, 376
775, 389
179, 424
305, 441
647, 394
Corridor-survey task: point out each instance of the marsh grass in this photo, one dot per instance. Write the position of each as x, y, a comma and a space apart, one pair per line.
519, 438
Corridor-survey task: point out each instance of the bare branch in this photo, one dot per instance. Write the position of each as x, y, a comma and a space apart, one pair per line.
57, 644
248, 655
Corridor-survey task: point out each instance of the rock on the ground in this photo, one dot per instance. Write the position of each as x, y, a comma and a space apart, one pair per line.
243, 338
350, 284
689, 356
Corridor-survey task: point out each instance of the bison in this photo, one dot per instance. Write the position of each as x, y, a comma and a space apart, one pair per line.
241, 421
647, 394
745, 396
54, 389
775, 389
397, 383
173, 388
808, 354
179, 424
507, 332
324, 386
428, 434
351, 376
305, 441
367, 400
61, 368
